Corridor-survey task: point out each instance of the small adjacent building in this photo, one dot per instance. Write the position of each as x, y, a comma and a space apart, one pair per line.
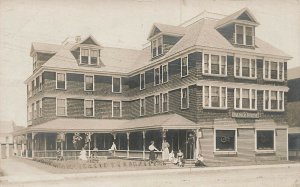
209, 86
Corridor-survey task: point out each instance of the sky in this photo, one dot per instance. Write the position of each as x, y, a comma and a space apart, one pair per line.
119, 23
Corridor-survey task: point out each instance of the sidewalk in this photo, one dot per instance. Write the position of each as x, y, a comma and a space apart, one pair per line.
17, 171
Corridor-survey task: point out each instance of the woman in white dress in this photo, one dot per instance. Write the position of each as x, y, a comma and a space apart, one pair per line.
82, 155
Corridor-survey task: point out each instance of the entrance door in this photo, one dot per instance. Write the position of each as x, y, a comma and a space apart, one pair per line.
190, 145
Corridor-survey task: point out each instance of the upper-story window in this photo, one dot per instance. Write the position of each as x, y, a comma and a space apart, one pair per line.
89, 56
165, 102
157, 76
142, 81
214, 97
245, 67
165, 75
89, 108
116, 86
157, 48
61, 81
40, 82
89, 83
184, 66
117, 109
184, 98
214, 64
142, 107
245, 99
273, 70
273, 100
244, 35
61, 107
156, 104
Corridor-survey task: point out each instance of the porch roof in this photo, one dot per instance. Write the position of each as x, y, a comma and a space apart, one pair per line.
167, 121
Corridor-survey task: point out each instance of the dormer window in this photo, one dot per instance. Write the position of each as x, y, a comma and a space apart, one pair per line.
157, 46
89, 56
244, 35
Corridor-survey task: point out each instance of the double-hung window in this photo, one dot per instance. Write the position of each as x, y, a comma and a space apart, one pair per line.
89, 108
273, 100
165, 102
40, 83
156, 104
245, 67
214, 64
165, 75
184, 98
157, 47
265, 140
89, 83
245, 99
94, 57
117, 109
142, 81
157, 76
273, 70
214, 97
89, 56
184, 66
33, 111
84, 56
116, 88
142, 107
61, 81
244, 35
61, 107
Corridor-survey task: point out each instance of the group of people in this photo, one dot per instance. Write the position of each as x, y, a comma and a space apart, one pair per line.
177, 160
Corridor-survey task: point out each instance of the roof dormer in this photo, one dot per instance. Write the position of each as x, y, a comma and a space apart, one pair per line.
239, 28
87, 51
163, 38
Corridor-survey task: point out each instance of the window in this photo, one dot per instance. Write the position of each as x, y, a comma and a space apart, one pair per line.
117, 112
245, 67
225, 140
245, 99
244, 35
61, 81
33, 86
116, 85
165, 73
142, 107
165, 106
273, 100
214, 64
61, 109
40, 83
157, 48
273, 70
89, 108
214, 97
184, 66
157, 76
89, 83
142, 81
265, 140
156, 104
89, 56
184, 98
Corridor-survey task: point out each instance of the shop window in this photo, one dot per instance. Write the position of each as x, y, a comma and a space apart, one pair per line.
265, 140
225, 140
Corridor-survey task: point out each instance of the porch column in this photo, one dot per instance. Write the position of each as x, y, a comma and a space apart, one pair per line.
95, 141
32, 144
128, 133
26, 145
114, 139
89, 139
45, 144
164, 135
144, 146
198, 136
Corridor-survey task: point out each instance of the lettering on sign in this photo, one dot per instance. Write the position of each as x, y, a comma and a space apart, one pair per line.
244, 115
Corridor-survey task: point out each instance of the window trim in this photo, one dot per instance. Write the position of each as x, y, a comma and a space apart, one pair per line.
209, 98
156, 39
112, 85
215, 140
241, 100
112, 109
85, 107
278, 61
66, 110
141, 106
85, 82
269, 102
187, 98
41, 83
162, 73
89, 57
159, 74
141, 81
187, 66
241, 69
159, 104
244, 35
162, 102
65, 75
274, 141
209, 64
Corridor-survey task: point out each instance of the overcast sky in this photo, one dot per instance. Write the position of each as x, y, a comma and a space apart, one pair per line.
123, 23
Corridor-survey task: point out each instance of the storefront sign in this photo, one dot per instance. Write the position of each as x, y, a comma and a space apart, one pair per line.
244, 115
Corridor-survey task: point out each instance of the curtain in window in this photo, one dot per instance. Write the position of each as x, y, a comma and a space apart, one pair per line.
89, 83
61, 80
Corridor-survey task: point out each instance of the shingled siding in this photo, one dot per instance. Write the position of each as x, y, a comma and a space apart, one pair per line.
281, 143
246, 144
206, 144
48, 111
149, 105
75, 108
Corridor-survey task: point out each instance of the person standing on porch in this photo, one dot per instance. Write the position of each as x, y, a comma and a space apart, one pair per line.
152, 148
165, 149
113, 149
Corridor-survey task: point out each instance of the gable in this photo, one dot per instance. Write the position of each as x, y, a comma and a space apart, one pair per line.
245, 16
156, 31
89, 41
